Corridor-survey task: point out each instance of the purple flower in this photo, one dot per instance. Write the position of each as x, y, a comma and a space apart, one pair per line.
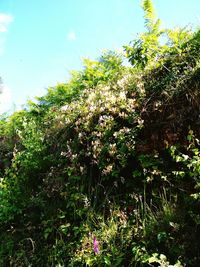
95, 246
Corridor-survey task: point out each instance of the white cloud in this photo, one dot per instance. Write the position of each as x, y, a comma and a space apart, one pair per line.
71, 36
6, 100
5, 20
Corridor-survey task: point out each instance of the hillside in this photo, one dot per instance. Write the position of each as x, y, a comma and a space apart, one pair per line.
105, 169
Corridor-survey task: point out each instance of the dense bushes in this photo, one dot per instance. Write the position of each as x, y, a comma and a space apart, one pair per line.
104, 170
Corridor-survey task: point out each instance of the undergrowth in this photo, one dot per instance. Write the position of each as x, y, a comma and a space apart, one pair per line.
105, 170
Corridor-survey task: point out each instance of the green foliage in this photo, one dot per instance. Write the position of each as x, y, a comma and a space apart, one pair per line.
147, 49
157, 44
108, 69
151, 23
112, 155
162, 261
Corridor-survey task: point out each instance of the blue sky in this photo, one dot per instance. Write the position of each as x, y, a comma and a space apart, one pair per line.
42, 40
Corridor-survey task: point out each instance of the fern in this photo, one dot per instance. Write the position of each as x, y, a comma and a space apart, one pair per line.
151, 23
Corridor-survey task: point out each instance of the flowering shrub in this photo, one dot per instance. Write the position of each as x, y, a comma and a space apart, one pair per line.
104, 170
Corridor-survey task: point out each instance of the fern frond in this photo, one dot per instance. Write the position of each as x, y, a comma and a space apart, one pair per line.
149, 14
